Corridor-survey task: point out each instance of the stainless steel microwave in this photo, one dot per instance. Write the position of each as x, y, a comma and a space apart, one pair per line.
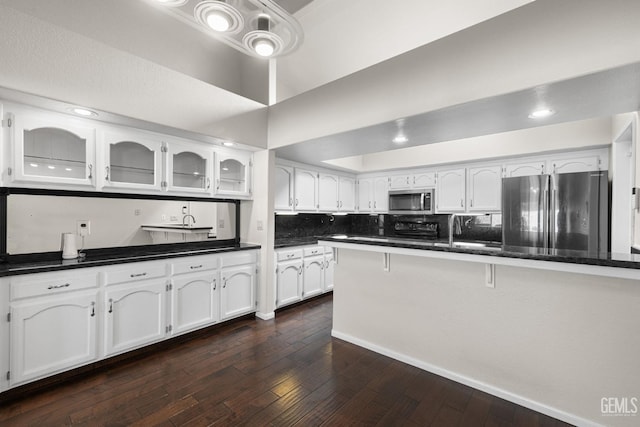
414, 201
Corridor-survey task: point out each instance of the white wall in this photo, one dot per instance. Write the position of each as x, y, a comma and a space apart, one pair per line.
257, 214
35, 223
557, 342
341, 38
565, 136
544, 41
47, 60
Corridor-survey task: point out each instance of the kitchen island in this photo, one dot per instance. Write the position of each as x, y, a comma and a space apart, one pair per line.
555, 332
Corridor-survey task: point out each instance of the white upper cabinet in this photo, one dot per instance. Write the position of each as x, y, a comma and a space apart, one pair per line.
399, 182
189, 168
346, 194
484, 189
380, 193
328, 192
306, 190
233, 173
284, 188
133, 161
524, 169
416, 180
450, 191
424, 180
52, 149
577, 164
365, 195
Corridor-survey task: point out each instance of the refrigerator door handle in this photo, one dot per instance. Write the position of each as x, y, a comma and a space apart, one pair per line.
545, 216
553, 217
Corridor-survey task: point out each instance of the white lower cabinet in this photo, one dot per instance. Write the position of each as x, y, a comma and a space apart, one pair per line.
65, 319
238, 293
134, 315
329, 266
195, 301
313, 281
288, 282
302, 272
52, 334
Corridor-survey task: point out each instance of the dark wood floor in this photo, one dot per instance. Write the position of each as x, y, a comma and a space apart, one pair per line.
281, 372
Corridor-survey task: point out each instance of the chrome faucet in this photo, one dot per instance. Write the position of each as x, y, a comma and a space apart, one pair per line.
186, 224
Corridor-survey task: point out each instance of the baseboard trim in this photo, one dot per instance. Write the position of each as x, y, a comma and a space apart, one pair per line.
266, 316
487, 388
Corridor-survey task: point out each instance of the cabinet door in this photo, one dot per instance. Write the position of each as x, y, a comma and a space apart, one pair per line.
288, 282
578, 164
485, 189
131, 161
52, 149
313, 276
328, 192
524, 169
450, 192
233, 174
399, 182
424, 180
329, 266
188, 168
381, 194
283, 200
365, 204
347, 194
50, 335
134, 315
195, 301
238, 292
306, 190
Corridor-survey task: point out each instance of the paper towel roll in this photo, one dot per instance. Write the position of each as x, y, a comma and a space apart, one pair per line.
69, 248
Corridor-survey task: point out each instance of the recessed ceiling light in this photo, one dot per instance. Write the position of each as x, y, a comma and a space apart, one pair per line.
219, 16
51, 167
400, 139
228, 144
83, 112
541, 113
33, 165
68, 169
173, 3
218, 21
225, 169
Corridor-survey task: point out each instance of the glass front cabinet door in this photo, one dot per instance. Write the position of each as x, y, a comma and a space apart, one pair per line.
132, 161
233, 174
52, 149
189, 168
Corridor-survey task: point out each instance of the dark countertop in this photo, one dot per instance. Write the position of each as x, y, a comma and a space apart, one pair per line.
133, 255
606, 259
296, 241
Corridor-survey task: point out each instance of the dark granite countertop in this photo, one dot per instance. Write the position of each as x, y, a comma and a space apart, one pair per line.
607, 259
287, 242
97, 260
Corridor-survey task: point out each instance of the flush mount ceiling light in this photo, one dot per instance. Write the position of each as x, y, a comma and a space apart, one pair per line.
260, 28
541, 113
219, 16
228, 144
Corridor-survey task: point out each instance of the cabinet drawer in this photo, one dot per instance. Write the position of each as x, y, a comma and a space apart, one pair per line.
238, 259
51, 283
290, 254
135, 272
195, 264
313, 251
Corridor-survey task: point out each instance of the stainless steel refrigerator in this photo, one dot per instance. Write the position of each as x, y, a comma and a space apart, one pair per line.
563, 211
